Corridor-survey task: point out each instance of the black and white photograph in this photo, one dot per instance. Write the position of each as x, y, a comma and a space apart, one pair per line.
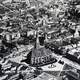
39, 39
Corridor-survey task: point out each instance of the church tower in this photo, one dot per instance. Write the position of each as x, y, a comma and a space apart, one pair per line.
37, 43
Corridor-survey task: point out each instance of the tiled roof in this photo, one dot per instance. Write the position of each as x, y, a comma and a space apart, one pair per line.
40, 52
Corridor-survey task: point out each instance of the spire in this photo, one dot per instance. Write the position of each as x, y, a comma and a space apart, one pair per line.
37, 43
46, 35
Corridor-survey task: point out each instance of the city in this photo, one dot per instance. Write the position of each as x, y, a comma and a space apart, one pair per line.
39, 40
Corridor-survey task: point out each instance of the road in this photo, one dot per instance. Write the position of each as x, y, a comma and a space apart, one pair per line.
67, 61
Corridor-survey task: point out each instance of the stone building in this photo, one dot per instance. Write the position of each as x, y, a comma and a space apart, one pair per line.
39, 54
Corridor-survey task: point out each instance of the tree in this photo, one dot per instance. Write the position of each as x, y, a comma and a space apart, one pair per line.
72, 12
72, 31
74, 41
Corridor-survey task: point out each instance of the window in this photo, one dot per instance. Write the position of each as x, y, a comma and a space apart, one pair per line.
39, 59
36, 60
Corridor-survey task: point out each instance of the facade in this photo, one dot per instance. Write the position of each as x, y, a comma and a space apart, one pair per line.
7, 1
40, 56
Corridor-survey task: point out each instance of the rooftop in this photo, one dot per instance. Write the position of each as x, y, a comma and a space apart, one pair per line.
40, 52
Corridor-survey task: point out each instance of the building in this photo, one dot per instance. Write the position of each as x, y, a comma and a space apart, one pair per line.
0, 44
76, 34
9, 36
46, 76
71, 72
39, 55
7, 1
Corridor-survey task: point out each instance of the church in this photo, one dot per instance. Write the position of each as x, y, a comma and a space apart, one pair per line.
39, 55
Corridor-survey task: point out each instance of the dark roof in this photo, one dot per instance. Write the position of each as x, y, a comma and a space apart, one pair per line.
44, 76
54, 73
40, 52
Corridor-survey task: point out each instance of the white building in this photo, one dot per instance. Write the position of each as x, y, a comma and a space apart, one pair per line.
7, 1
76, 33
